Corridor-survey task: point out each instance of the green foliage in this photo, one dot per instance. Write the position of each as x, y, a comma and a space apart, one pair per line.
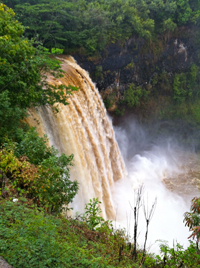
56, 51
192, 219
169, 25
47, 184
10, 116
51, 188
176, 96
55, 189
184, 11
178, 257
130, 65
110, 100
179, 86
91, 25
185, 85
28, 167
193, 80
17, 177
194, 110
24, 65
92, 215
34, 147
119, 111
133, 96
30, 238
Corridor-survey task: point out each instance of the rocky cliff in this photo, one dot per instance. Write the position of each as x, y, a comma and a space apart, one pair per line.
150, 65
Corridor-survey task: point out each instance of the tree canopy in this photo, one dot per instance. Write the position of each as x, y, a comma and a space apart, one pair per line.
91, 25
23, 65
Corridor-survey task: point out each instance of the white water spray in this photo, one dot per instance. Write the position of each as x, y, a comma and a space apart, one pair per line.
150, 162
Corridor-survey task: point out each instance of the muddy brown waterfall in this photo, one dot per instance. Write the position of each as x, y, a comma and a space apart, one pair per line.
82, 128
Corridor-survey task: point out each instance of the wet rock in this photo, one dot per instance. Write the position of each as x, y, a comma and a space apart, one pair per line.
137, 62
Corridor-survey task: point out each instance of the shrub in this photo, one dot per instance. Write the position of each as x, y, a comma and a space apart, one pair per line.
48, 185
10, 119
110, 100
178, 257
133, 96
92, 215
55, 188
34, 147
29, 238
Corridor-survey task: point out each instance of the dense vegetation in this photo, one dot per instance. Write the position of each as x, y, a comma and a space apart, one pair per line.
28, 167
169, 96
29, 237
35, 185
91, 25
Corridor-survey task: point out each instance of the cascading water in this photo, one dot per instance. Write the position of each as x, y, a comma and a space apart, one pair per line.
82, 128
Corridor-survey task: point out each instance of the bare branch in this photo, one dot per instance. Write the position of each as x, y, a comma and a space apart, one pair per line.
148, 216
137, 205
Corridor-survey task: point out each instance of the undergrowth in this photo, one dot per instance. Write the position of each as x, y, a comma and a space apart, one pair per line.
31, 237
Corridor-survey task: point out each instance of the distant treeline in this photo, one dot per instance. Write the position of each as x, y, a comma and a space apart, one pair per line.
89, 26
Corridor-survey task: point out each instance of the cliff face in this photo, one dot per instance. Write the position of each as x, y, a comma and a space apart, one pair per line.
150, 65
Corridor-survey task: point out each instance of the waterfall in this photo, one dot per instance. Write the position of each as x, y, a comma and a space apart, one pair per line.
83, 128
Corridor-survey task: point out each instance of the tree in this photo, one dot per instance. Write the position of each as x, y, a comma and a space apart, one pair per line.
51, 22
24, 65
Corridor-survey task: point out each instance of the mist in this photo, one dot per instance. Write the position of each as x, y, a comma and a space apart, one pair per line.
156, 156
